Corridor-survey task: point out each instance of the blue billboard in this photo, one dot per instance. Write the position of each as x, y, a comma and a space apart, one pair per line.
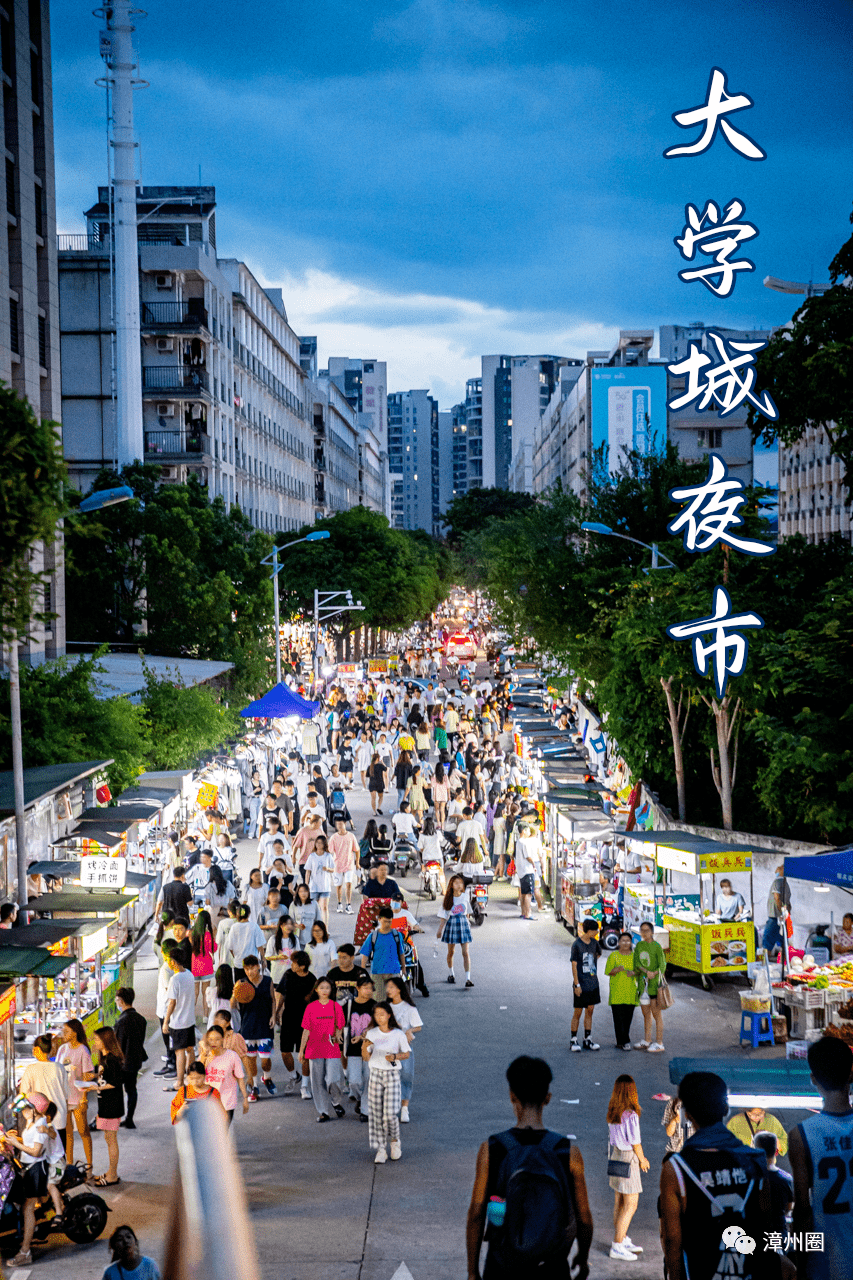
628, 411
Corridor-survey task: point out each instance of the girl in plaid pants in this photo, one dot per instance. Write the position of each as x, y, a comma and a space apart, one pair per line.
384, 1047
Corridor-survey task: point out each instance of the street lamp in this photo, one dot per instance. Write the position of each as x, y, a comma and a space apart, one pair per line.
592, 526
325, 607
95, 501
272, 559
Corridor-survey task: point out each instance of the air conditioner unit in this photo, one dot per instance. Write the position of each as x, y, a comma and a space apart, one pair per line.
165, 411
163, 281
169, 473
165, 344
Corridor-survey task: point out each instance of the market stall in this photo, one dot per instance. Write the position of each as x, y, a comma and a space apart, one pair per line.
21, 971
578, 832
680, 898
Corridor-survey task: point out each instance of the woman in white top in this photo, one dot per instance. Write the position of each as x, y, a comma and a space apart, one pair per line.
280, 948
384, 1048
623, 1128
409, 1021
321, 949
453, 927
244, 939
32, 1146
223, 985
255, 895
303, 913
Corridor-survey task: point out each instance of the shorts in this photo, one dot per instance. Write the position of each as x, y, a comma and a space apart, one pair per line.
34, 1180
525, 884
110, 1124
343, 877
587, 998
290, 1038
55, 1173
318, 894
259, 1048
182, 1037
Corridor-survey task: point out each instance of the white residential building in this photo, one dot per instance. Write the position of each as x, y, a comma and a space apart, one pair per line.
413, 460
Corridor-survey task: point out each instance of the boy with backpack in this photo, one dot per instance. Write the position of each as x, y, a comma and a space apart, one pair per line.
529, 1198
384, 952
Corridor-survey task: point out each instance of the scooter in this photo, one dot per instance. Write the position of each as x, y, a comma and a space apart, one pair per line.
479, 901
404, 857
431, 878
84, 1217
611, 924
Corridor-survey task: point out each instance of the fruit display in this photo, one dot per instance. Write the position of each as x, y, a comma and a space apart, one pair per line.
840, 1033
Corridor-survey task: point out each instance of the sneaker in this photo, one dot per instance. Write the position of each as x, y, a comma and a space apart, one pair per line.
323, 1119
622, 1252
305, 1093
340, 1111
349, 908
451, 979
340, 908
396, 1151
253, 1095
290, 1085
575, 1047
271, 1087
629, 1244
589, 1043
382, 1156
166, 1071
468, 982
626, 1048
642, 1044
363, 1118
404, 1113
657, 1047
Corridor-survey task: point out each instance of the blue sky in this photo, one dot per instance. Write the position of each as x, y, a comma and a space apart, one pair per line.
433, 180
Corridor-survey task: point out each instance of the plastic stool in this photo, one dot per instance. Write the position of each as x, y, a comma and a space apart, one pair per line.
750, 1028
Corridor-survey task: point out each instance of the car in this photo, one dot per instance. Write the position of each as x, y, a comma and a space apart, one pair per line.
461, 646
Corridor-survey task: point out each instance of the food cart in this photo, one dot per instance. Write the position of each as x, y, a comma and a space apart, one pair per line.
698, 940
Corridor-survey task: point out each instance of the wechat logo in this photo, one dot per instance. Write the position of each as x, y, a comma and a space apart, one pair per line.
737, 1237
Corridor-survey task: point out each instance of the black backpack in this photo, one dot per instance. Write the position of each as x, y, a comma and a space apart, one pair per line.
539, 1221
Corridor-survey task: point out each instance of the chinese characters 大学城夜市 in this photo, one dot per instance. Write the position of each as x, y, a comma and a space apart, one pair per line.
718, 104
728, 649
727, 383
717, 239
713, 511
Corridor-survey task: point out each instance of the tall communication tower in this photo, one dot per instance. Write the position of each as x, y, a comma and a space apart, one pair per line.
118, 54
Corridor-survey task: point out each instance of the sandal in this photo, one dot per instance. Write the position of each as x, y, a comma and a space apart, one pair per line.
103, 1181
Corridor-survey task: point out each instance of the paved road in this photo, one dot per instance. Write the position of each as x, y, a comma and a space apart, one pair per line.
322, 1210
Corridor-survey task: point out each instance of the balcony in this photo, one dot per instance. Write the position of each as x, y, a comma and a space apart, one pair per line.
176, 444
176, 379
174, 317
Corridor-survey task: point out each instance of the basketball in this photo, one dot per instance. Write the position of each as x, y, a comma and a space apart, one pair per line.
244, 992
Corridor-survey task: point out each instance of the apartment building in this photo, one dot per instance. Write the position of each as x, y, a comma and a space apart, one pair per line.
363, 383
412, 456
222, 385
813, 500
29, 315
336, 449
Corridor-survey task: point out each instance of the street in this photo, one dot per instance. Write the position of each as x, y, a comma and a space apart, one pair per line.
320, 1208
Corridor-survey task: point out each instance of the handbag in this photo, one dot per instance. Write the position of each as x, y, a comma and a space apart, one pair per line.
665, 997
617, 1168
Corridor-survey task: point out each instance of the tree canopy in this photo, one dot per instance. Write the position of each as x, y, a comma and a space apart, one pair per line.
469, 511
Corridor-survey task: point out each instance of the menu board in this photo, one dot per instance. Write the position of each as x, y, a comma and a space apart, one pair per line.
710, 948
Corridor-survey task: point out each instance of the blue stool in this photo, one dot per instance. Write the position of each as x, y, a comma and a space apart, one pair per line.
750, 1028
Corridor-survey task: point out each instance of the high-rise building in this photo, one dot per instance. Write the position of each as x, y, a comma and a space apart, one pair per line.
364, 383
223, 389
335, 448
412, 448
813, 500
515, 391
442, 477
29, 315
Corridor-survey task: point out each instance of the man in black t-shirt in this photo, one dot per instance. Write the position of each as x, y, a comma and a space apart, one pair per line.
256, 1026
587, 993
176, 896
529, 1082
345, 974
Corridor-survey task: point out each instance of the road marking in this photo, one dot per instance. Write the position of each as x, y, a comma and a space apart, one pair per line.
573, 1102
402, 1273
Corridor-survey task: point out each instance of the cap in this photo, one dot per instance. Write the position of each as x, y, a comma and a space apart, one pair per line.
39, 1102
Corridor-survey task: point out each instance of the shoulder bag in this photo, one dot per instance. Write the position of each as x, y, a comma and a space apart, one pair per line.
617, 1168
665, 997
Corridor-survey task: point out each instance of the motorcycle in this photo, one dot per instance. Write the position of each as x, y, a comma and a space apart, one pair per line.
431, 878
404, 857
611, 924
479, 901
84, 1216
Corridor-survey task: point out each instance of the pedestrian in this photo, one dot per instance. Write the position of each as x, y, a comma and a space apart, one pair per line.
320, 1049
318, 876
358, 1012
32, 1146
622, 997
624, 1144
678, 1127
586, 992
712, 1184
649, 966
823, 1184
752, 1120
224, 928
218, 894
75, 1050
128, 1263
402, 773
179, 1019
194, 1089
322, 950
363, 757
224, 1071
384, 1048
530, 1190
280, 948
778, 907
246, 937
131, 1029
201, 966
304, 912
343, 847
256, 1023
456, 930
50, 1079
377, 775
176, 896
781, 1186
410, 1023
255, 894
291, 995
110, 1090
271, 914
223, 985
383, 952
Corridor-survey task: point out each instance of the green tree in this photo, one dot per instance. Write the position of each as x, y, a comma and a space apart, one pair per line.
469, 511
186, 722
32, 502
808, 369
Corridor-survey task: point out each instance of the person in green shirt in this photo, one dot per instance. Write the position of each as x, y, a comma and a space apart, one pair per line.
623, 989
746, 1124
649, 966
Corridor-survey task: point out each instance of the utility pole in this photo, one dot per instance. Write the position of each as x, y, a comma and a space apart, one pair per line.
325, 607
117, 51
18, 772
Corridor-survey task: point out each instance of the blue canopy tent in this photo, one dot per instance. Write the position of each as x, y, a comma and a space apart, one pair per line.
281, 701
835, 869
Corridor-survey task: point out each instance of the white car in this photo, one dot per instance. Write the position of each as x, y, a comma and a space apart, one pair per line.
461, 646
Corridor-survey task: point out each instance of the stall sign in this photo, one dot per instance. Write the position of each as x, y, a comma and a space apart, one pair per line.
731, 861
208, 794
346, 668
103, 873
715, 948
7, 1005
685, 943
682, 902
637, 907
93, 943
377, 666
676, 860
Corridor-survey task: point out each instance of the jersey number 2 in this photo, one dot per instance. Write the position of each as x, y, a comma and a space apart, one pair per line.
828, 1166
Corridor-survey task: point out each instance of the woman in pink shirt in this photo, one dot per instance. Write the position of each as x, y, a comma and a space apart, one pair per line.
224, 1070
322, 1032
204, 945
75, 1050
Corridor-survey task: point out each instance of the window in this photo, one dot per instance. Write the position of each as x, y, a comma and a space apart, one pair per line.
42, 342
11, 202
14, 335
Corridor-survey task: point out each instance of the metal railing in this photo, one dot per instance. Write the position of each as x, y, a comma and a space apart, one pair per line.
158, 377
190, 313
176, 442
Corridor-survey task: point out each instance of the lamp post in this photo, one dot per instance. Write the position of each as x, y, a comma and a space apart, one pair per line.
95, 501
592, 526
272, 559
325, 608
